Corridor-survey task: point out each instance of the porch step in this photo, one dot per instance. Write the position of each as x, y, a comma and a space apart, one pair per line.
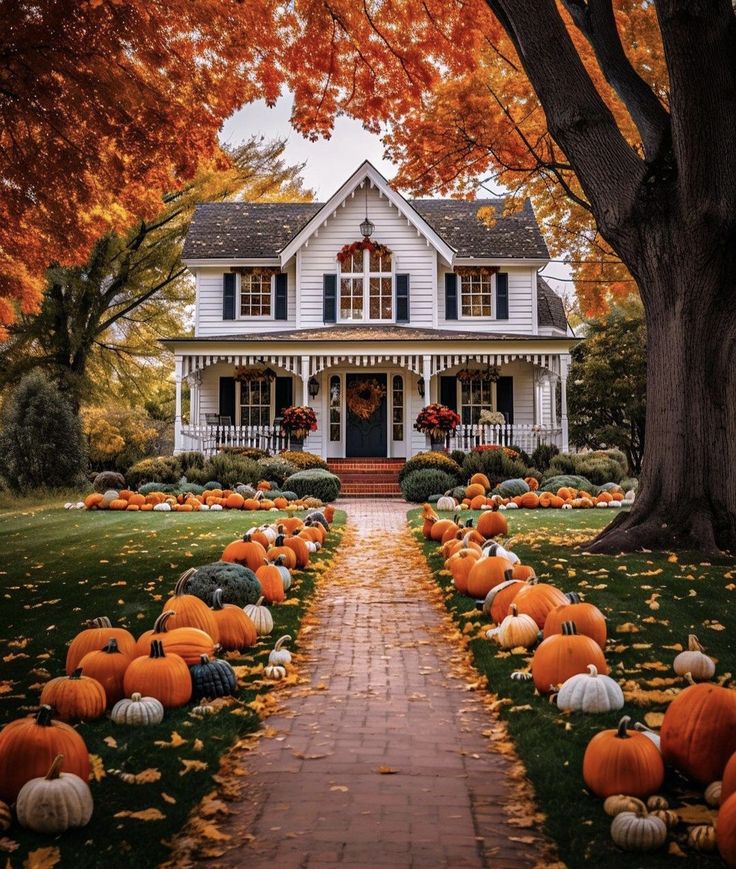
368, 477
368, 488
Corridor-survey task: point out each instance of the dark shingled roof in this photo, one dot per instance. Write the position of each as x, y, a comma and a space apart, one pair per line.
244, 230
550, 310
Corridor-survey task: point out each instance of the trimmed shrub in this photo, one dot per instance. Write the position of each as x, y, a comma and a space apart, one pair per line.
304, 461
212, 484
290, 496
147, 488
189, 488
569, 481
276, 469
419, 486
543, 455
563, 463
458, 456
598, 466
495, 464
314, 483
239, 584
629, 483
41, 441
189, 460
108, 480
227, 468
435, 461
162, 469
249, 452
522, 454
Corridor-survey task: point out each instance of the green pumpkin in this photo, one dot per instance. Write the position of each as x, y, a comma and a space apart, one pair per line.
568, 481
212, 678
511, 488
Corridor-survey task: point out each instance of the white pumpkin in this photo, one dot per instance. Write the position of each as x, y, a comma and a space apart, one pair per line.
260, 616
591, 693
280, 655
284, 571
204, 507
630, 497
650, 734
55, 802
637, 831
162, 508
517, 630
138, 711
493, 548
694, 661
618, 803
215, 507
713, 794
446, 502
109, 496
274, 672
566, 507
512, 506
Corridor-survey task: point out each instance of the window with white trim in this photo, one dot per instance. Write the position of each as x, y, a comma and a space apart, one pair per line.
335, 408
397, 403
366, 287
475, 396
256, 291
255, 402
476, 293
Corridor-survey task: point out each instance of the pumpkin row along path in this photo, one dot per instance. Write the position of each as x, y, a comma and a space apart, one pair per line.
382, 755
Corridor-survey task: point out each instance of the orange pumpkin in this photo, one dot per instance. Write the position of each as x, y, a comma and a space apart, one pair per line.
563, 655
532, 482
263, 486
728, 784
529, 500
107, 666
237, 631
698, 734
290, 525
28, 747
537, 599
249, 553
474, 489
492, 523
545, 500
187, 642
135, 498
251, 504
440, 527
460, 566
500, 597
280, 502
190, 611
480, 480
117, 504
93, 638
146, 508
621, 761
566, 493
329, 514
523, 571
91, 502
285, 552
487, 573
272, 584
589, 621
315, 533
429, 518
75, 697
478, 502
726, 831
165, 677
299, 547
234, 501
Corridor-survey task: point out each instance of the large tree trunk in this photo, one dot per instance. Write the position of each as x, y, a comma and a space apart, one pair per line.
688, 480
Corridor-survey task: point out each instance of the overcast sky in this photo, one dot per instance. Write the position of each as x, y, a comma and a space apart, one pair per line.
329, 162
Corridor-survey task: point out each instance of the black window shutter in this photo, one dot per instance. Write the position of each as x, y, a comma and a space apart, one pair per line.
329, 304
450, 296
284, 394
502, 296
280, 307
448, 392
505, 397
228, 296
227, 398
402, 298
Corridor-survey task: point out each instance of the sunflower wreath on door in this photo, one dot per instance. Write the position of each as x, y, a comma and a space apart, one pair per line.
364, 397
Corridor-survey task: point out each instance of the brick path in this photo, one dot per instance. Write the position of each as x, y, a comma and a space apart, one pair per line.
388, 690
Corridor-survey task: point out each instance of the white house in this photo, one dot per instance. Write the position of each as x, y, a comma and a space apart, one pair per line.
281, 319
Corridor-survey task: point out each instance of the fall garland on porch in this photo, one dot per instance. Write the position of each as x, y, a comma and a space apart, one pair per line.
364, 397
346, 251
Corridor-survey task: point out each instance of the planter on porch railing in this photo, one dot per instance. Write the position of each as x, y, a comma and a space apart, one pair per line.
438, 422
525, 436
297, 422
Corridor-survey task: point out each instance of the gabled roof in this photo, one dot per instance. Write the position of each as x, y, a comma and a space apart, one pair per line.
550, 310
257, 230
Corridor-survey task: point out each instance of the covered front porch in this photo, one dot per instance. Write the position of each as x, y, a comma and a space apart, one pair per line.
238, 390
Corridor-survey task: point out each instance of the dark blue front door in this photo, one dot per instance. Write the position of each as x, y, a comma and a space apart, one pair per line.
367, 437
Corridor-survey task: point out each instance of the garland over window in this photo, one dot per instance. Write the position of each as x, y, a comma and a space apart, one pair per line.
489, 375
247, 375
375, 247
469, 271
364, 397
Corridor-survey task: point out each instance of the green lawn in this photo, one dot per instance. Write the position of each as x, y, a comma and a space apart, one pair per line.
665, 598
59, 568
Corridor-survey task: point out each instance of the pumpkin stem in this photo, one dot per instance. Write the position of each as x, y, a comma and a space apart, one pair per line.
621, 732
689, 678
513, 610
111, 647
100, 622
55, 767
693, 644
508, 574
43, 716
569, 629
217, 599
136, 697
159, 626
204, 659
77, 674
259, 601
157, 649
592, 669
181, 583
572, 596
279, 643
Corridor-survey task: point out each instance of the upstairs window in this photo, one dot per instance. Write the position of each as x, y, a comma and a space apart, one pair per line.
366, 287
256, 291
476, 292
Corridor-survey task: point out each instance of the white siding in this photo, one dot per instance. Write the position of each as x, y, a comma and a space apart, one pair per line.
412, 256
522, 305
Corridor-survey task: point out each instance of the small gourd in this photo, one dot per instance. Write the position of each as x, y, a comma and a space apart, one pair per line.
669, 817
213, 678
713, 794
6, 817
274, 672
260, 616
278, 654
650, 734
202, 709
657, 802
591, 693
138, 711
702, 838
55, 803
517, 630
638, 831
618, 803
694, 661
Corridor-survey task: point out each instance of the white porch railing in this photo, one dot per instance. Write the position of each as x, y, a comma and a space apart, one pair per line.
208, 439
527, 437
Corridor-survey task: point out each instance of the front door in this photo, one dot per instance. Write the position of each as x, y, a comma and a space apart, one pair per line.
366, 433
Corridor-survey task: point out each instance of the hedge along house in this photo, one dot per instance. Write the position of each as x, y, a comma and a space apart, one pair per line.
447, 306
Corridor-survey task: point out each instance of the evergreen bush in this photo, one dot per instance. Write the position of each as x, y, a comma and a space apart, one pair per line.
314, 483
433, 461
276, 468
304, 461
495, 464
108, 480
420, 485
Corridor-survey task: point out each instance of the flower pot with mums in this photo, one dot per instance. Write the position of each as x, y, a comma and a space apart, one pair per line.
438, 422
297, 422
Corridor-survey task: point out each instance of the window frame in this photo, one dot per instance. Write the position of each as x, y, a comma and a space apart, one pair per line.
272, 304
366, 276
461, 405
271, 398
491, 293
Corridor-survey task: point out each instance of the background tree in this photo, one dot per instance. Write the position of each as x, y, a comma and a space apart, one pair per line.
98, 327
41, 442
607, 402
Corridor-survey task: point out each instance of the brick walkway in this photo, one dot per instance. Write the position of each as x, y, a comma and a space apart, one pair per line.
388, 692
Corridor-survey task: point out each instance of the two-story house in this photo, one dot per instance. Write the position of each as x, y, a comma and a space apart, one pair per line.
447, 306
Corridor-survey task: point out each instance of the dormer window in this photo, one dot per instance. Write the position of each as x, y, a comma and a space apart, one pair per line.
476, 292
256, 292
366, 286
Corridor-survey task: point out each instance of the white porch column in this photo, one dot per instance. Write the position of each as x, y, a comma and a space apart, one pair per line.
427, 376
552, 401
564, 365
178, 439
195, 384
537, 399
305, 381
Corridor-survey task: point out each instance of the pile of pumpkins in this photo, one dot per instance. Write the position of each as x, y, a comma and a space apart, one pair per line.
624, 766
478, 497
211, 499
45, 763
